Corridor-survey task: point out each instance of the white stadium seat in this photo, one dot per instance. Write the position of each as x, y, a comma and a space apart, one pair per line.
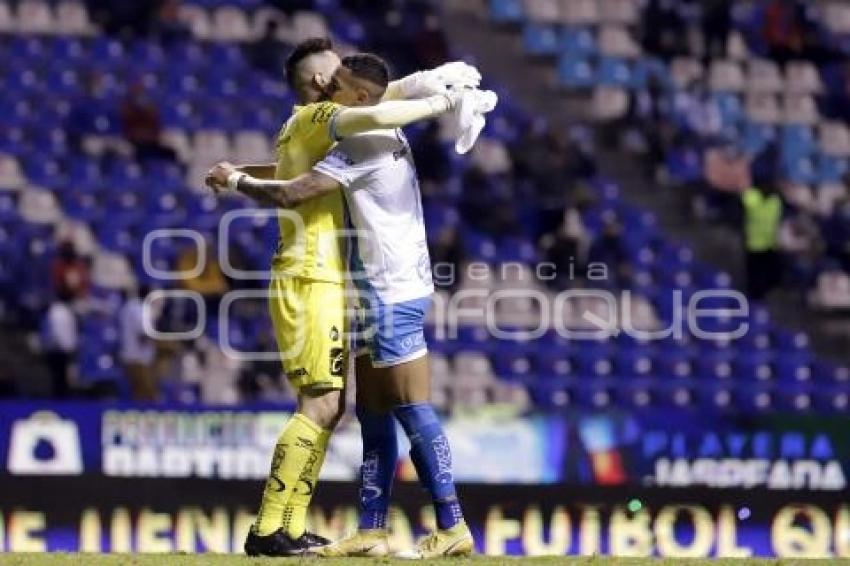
834, 138
210, 146
542, 11
112, 271
609, 103
827, 195
800, 109
11, 176
685, 70
764, 76
230, 23
491, 156
251, 146
579, 12
197, 19
35, 16
261, 20
73, 18
836, 17
39, 206
832, 291
7, 18
763, 108
617, 42
802, 77
180, 142
736, 47
625, 12
308, 24
726, 76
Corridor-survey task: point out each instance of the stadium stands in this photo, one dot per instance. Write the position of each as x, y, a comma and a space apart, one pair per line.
65, 161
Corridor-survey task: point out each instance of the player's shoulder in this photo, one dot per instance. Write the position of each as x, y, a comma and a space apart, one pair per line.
317, 112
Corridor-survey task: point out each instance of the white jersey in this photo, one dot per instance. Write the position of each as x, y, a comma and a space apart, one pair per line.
389, 255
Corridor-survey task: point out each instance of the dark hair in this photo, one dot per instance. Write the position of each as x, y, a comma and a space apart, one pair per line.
302, 51
368, 66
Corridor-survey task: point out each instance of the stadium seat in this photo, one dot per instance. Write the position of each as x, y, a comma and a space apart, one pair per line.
506, 11
72, 18
112, 271
230, 23
197, 19
542, 11
35, 17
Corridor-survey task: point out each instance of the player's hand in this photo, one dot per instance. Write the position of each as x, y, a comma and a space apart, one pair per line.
456, 74
216, 178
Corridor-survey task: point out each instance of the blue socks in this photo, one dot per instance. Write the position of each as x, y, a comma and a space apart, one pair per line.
380, 454
432, 458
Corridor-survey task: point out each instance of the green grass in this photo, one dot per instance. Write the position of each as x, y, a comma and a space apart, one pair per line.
236, 560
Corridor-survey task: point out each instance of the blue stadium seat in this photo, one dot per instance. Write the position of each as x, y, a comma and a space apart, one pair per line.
575, 72
506, 11
614, 72
577, 42
540, 39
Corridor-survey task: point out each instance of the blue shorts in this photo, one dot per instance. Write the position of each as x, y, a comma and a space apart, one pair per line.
391, 334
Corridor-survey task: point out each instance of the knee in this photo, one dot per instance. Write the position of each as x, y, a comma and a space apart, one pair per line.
325, 410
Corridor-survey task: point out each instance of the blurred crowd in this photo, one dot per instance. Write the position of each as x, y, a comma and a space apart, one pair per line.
803, 230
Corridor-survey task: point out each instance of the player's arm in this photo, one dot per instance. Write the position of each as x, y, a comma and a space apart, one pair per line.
391, 114
425, 83
260, 171
273, 192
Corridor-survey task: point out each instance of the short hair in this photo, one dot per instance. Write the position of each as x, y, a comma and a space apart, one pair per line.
368, 66
302, 51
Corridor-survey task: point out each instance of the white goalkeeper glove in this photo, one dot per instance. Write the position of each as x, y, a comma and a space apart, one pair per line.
456, 74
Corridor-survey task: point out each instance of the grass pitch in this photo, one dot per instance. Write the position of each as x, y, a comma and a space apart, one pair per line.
61, 559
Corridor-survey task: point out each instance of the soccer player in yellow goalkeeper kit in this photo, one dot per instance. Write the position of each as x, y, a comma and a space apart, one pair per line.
307, 289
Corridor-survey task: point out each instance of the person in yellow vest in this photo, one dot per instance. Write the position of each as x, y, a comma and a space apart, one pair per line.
762, 217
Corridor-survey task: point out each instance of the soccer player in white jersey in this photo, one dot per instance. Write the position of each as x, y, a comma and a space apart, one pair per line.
391, 268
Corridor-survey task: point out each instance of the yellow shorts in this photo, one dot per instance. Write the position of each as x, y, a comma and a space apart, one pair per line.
311, 331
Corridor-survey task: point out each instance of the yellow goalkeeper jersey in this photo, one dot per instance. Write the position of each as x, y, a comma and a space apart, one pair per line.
311, 243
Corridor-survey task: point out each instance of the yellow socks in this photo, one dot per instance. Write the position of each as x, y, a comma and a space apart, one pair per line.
295, 511
298, 455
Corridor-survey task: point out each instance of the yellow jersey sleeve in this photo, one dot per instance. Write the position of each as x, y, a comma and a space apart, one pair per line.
305, 138
314, 249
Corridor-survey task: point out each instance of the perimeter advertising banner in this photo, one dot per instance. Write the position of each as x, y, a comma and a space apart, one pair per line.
152, 515
666, 450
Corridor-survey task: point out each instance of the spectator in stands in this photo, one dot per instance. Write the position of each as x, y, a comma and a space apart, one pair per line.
716, 23
210, 283
762, 216
447, 256
662, 27
138, 350
266, 54
801, 243
70, 273
260, 379
567, 246
837, 233
430, 43
609, 250
142, 126
783, 32
432, 159
61, 338
166, 23
87, 109
487, 204
121, 17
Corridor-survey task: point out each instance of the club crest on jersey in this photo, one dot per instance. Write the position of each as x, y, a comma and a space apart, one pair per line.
336, 362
